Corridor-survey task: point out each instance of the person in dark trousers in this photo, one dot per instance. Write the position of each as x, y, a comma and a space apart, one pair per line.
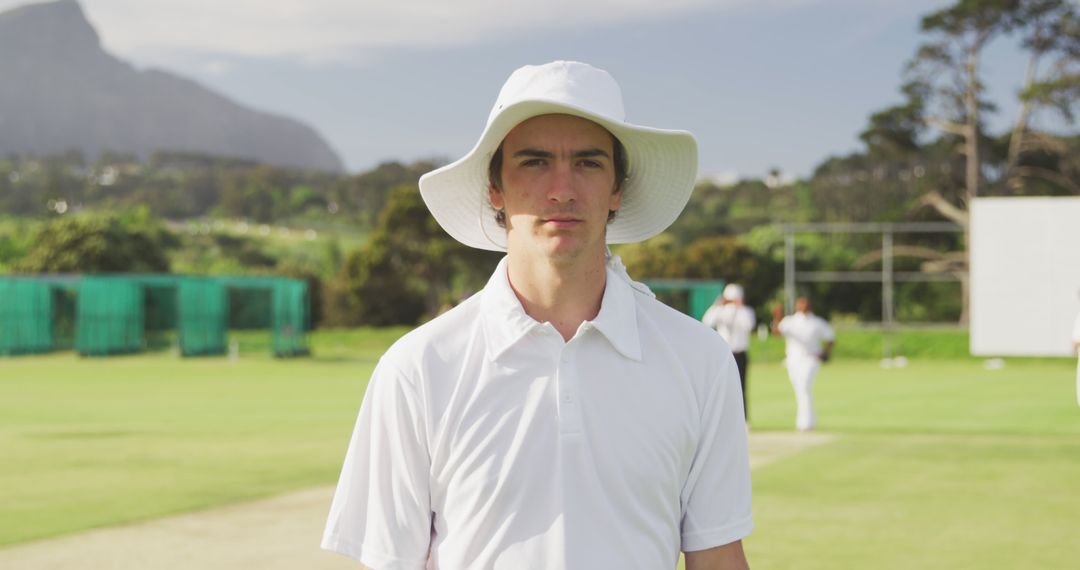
735, 322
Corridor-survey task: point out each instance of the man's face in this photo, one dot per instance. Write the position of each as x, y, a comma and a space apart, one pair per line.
558, 182
802, 305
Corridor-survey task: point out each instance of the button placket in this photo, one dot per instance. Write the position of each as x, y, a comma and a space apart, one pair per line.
569, 410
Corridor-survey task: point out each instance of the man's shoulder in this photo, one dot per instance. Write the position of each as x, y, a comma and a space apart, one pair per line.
693, 351
444, 335
680, 329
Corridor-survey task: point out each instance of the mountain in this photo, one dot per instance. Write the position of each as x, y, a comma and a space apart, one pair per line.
59, 91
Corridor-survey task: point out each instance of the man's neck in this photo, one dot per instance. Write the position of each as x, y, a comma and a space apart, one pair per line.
563, 294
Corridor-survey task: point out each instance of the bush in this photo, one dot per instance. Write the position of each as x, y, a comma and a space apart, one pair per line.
99, 244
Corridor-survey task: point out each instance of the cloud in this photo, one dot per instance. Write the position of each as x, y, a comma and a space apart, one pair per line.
347, 30
321, 30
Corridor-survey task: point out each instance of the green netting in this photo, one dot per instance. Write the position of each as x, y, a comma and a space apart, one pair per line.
111, 316
161, 308
26, 311
203, 308
290, 316
161, 313
65, 300
702, 297
251, 304
700, 293
128, 313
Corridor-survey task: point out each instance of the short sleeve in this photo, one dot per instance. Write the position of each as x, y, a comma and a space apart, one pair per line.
381, 513
716, 497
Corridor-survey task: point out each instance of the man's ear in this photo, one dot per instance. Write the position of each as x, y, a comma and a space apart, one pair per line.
616, 199
495, 197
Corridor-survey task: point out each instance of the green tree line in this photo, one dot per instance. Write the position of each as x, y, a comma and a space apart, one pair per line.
184, 185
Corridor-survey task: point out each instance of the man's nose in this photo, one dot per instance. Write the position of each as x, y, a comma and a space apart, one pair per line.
561, 185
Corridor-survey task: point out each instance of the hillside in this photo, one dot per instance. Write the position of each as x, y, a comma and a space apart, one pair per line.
61, 91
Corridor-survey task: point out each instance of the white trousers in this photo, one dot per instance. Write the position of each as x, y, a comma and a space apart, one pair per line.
1078, 381
801, 372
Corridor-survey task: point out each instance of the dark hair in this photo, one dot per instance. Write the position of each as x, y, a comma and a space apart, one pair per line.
618, 159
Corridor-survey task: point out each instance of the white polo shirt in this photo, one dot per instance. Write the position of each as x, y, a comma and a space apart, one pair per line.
486, 441
805, 334
734, 323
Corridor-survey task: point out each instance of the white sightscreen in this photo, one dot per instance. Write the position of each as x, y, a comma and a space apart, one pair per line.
1025, 275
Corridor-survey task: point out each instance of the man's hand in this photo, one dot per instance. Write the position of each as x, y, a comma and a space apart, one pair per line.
777, 316
826, 352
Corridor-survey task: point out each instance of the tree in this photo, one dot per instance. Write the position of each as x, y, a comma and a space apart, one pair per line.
944, 92
99, 244
409, 268
945, 79
1051, 34
367, 193
708, 257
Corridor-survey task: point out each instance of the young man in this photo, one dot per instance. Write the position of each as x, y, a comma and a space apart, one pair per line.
562, 417
735, 322
809, 341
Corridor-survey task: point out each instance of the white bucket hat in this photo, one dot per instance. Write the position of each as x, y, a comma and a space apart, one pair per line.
662, 164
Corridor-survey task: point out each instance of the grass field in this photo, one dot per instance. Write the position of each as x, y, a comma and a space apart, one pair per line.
94, 442
942, 464
939, 465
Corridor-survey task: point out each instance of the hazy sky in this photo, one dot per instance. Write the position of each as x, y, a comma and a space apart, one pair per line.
766, 83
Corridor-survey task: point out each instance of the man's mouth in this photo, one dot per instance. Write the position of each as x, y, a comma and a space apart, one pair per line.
561, 221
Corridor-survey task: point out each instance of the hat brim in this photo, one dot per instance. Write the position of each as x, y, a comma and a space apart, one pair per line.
662, 169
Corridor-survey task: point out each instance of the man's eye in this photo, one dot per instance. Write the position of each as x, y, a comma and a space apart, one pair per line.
588, 163
533, 162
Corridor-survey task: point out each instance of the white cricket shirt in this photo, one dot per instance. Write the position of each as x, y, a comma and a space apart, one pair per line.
486, 441
805, 334
734, 324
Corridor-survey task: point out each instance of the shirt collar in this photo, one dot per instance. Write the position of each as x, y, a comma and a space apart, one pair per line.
502, 317
618, 317
505, 322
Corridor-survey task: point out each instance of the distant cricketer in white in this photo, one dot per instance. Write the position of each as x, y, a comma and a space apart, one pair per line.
809, 342
562, 417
